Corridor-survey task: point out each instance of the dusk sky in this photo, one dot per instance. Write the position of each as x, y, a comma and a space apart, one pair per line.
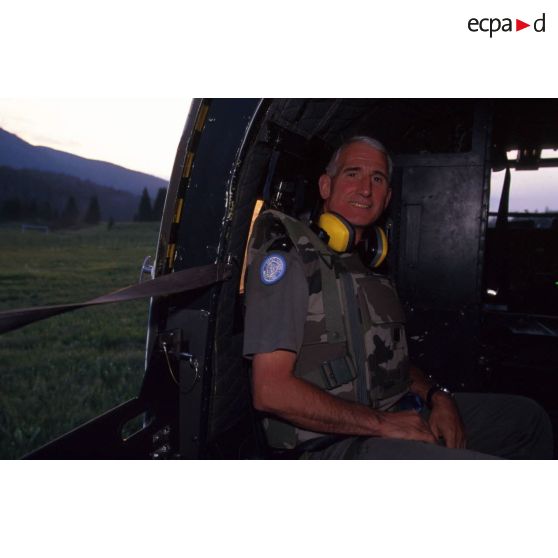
139, 134
529, 190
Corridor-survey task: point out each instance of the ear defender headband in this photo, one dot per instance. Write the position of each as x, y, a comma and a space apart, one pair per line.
341, 238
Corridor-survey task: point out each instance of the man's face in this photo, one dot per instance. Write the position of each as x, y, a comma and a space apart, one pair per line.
359, 191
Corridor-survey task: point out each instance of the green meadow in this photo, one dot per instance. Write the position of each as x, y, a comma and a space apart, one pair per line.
58, 373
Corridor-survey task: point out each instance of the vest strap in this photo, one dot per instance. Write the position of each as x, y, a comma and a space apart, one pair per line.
296, 230
356, 345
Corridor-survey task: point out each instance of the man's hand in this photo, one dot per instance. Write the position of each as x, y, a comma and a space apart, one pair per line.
445, 421
405, 425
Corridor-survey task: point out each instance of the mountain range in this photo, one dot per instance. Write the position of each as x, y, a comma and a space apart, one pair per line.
18, 154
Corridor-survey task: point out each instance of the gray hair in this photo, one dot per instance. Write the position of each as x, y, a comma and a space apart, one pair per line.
331, 169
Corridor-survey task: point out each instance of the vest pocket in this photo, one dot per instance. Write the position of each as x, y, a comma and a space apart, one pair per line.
383, 322
378, 301
337, 372
325, 365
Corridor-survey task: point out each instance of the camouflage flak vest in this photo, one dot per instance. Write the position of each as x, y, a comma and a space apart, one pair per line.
354, 343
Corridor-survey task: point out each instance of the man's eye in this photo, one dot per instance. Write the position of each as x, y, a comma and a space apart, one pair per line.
352, 174
378, 179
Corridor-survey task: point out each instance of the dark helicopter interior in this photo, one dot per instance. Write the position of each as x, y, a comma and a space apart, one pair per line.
443, 255
445, 258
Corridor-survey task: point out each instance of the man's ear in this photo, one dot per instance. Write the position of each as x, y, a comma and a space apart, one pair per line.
325, 186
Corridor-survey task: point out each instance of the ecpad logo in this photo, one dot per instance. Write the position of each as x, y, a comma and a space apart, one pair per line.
494, 24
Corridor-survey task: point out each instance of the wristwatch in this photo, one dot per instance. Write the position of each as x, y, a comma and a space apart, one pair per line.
433, 390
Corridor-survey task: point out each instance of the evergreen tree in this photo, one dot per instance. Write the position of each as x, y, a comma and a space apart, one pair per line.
70, 215
93, 214
144, 209
159, 204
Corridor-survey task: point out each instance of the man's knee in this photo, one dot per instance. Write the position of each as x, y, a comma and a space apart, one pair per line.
511, 426
537, 423
528, 414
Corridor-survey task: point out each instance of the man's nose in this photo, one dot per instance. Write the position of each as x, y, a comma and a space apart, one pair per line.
365, 186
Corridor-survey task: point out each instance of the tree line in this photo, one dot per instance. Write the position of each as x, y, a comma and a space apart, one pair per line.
43, 212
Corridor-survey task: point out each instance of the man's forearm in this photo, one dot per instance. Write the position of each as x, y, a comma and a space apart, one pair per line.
308, 407
276, 390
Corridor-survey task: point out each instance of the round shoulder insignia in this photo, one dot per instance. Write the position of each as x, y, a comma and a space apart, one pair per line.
273, 268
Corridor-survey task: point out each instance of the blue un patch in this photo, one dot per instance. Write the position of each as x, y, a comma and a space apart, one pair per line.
273, 268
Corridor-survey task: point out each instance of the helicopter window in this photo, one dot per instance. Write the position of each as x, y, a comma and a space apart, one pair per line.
532, 193
521, 266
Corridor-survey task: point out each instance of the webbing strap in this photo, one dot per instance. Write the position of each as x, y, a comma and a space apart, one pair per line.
357, 338
331, 374
335, 327
332, 305
172, 283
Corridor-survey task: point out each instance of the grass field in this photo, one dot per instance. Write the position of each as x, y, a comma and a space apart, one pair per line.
61, 372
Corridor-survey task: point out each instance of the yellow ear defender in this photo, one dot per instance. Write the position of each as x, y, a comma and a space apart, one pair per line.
340, 236
340, 231
377, 249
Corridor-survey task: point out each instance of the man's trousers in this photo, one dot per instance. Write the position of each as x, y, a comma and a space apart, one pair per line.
496, 426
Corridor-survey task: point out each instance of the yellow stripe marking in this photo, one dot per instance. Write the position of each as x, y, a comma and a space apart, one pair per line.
171, 249
178, 210
201, 117
188, 165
